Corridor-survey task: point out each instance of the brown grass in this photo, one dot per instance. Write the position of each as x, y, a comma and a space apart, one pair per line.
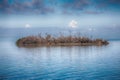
49, 40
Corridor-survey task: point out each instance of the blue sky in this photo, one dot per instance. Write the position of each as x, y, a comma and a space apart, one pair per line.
37, 13
42, 7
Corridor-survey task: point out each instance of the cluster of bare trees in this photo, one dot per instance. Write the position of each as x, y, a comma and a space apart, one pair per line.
50, 40
64, 39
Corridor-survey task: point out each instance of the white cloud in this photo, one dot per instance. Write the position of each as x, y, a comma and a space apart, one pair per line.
73, 24
27, 25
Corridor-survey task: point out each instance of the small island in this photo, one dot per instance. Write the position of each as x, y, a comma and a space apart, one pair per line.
48, 40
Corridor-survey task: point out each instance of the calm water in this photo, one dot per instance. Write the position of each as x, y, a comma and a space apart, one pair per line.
63, 63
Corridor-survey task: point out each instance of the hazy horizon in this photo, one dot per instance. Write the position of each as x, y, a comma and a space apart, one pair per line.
91, 17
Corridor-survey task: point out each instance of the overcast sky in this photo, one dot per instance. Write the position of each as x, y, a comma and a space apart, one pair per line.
59, 13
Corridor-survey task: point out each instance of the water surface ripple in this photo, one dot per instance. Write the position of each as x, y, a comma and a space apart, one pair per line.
63, 63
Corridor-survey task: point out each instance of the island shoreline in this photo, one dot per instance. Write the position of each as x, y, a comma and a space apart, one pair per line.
37, 41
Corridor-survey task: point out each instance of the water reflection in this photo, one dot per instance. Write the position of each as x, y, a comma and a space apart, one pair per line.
60, 62
62, 53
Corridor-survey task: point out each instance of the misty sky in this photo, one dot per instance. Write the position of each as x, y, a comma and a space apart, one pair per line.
59, 13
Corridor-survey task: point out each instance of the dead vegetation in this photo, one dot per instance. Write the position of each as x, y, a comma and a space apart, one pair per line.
48, 40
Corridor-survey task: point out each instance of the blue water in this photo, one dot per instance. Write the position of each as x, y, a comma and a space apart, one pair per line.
59, 63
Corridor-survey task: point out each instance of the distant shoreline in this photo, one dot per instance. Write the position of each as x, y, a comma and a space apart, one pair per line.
48, 40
